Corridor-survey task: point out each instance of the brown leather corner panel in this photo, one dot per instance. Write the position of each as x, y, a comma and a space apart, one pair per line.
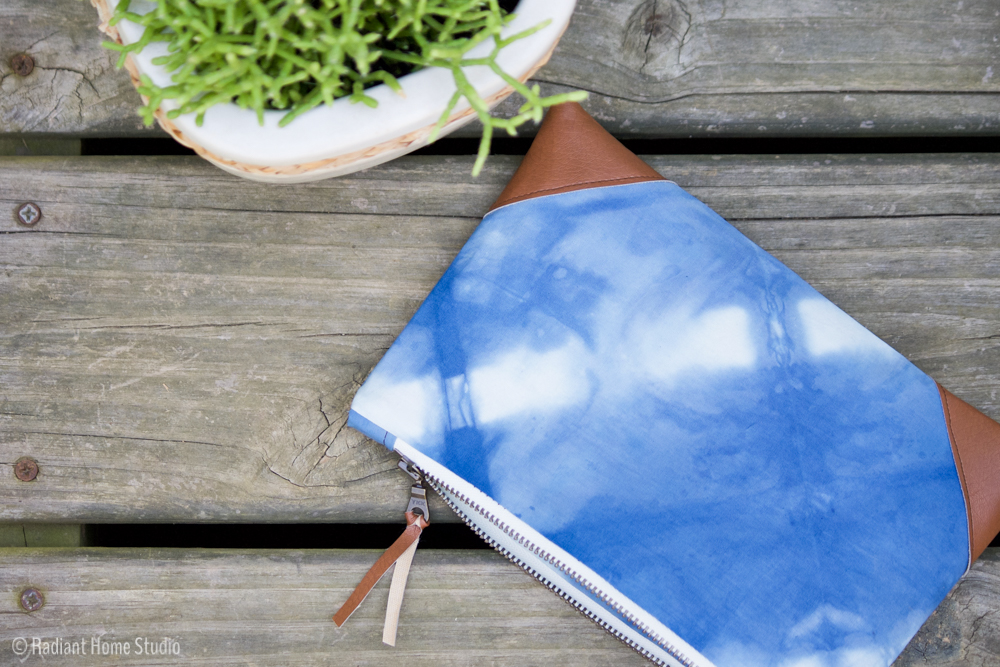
573, 152
975, 441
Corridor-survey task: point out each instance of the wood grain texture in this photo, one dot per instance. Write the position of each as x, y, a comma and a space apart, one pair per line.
74, 87
181, 345
791, 68
34, 534
664, 68
274, 607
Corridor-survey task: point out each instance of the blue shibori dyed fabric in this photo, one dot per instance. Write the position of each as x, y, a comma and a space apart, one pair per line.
636, 380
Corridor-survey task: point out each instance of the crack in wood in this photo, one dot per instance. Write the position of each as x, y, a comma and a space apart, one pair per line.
346, 335
322, 486
168, 327
656, 100
83, 76
121, 437
325, 416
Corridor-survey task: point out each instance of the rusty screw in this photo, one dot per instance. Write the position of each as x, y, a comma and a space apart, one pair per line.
28, 214
31, 599
25, 469
22, 64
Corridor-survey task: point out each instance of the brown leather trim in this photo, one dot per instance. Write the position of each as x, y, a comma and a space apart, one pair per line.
958, 465
975, 442
414, 527
573, 152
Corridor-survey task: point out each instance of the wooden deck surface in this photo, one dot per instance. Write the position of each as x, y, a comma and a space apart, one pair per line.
178, 345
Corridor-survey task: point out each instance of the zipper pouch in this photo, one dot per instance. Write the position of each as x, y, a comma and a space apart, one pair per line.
677, 434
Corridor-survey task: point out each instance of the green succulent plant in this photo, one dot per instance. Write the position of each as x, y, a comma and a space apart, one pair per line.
293, 55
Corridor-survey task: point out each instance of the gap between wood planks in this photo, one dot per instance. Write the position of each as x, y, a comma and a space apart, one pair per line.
720, 146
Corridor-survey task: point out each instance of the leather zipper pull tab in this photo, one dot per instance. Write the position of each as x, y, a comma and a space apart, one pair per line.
417, 507
401, 552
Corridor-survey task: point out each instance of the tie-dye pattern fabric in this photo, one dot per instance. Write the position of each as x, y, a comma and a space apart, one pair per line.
624, 371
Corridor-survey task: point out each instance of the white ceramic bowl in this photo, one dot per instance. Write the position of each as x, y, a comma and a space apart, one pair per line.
331, 140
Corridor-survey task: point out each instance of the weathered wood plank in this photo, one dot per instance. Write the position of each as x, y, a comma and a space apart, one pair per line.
180, 345
792, 68
274, 608
654, 67
40, 535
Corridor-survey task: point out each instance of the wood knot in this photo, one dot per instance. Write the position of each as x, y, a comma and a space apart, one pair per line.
655, 31
660, 23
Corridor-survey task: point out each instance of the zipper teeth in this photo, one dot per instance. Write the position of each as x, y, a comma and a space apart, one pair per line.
438, 484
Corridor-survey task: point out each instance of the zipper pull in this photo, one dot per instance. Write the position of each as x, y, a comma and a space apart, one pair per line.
418, 494
401, 553
406, 465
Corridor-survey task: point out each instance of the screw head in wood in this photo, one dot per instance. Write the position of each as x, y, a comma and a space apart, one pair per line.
28, 214
25, 469
22, 64
31, 599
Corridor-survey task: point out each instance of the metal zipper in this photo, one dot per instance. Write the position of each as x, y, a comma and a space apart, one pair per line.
439, 485
418, 494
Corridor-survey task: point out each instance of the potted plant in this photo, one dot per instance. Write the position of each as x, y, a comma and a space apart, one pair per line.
299, 90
